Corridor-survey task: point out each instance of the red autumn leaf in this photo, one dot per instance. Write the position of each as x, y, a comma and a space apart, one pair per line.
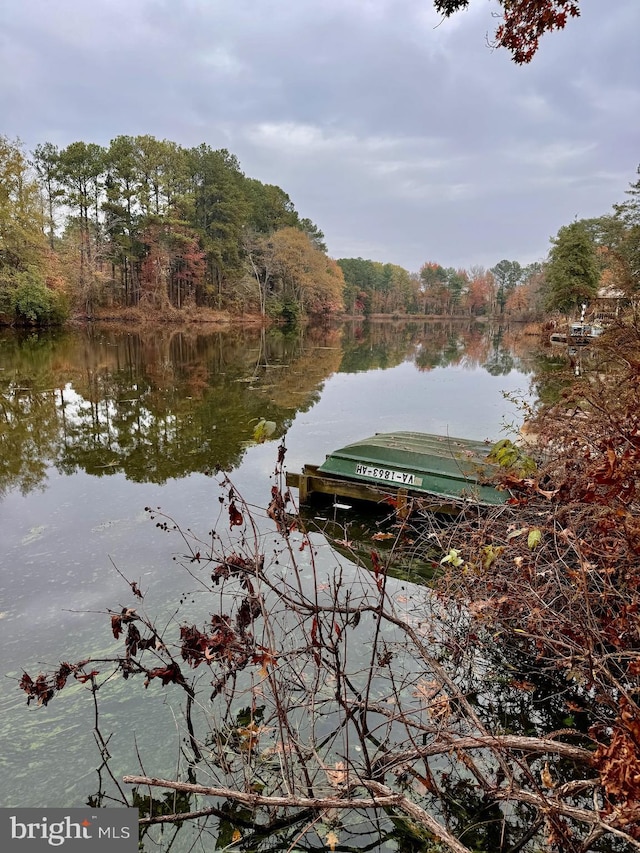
235, 516
248, 611
375, 561
194, 645
60, 677
83, 677
266, 659
377, 570
26, 682
42, 691
133, 640
116, 625
166, 674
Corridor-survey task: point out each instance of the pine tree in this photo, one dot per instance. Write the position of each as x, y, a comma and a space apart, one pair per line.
572, 271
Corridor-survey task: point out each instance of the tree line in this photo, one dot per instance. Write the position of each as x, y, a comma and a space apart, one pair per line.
148, 224
589, 258
375, 288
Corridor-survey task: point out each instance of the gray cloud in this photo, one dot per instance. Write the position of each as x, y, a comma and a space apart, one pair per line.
404, 138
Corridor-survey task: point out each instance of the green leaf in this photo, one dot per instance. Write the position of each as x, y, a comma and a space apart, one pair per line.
263, 430
515, 533
489, 555
509, 455
452, 557
534, 538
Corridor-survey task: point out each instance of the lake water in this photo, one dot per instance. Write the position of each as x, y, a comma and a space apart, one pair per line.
97, 424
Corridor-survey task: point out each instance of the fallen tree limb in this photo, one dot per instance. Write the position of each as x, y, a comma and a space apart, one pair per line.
554, 805
383, 798
254, 800
419, 815
518, 743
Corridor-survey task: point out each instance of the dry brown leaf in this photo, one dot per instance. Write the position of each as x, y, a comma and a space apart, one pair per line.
440, 708
336, 775
331, 839
426, 689
546, 777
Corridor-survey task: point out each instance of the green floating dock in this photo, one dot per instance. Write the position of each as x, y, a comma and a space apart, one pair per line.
398, 466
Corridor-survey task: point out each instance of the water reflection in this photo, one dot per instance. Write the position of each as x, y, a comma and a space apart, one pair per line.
436, 344
98, 423
164, 403
153, 406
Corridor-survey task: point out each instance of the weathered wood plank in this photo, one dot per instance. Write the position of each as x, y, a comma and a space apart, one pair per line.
310, 482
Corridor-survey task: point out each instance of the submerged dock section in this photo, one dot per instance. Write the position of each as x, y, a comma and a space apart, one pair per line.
400, 467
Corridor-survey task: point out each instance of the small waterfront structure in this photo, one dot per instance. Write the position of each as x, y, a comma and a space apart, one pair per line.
578, 334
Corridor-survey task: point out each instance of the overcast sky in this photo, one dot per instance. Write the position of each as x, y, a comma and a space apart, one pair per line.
404, 138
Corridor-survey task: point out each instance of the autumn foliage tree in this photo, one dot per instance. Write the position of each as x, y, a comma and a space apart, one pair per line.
140, 212
30, 287
173, 268
523, 23
292, 276
625, 240
434, 291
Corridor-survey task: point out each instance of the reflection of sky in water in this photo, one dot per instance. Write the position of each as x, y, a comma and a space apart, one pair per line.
446, 401
58, 545
77, 410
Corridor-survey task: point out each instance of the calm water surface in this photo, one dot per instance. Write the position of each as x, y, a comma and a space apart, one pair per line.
98, 424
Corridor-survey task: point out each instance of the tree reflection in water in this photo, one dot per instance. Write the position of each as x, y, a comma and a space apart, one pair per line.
164, 403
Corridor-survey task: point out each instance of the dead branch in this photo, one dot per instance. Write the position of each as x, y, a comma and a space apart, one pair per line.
553, 805
384, 798
420, 816
515, 743
255, 800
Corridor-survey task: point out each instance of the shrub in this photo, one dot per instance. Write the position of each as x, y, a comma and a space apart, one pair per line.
35, 304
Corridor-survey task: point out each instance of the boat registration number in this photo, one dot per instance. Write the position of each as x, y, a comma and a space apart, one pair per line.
388, 475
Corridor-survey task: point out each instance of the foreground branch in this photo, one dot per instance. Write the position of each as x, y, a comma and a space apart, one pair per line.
419, 815
383, 798
551, 804
254, 800
504, 743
